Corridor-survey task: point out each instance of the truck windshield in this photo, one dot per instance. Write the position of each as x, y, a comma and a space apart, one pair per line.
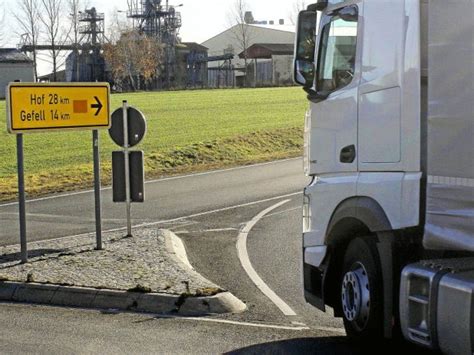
337, 52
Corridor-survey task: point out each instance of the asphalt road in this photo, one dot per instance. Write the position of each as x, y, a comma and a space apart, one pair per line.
209, 212
48, 330
274, 246
72, 214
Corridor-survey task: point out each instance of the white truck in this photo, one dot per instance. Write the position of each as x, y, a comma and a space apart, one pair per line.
388, 231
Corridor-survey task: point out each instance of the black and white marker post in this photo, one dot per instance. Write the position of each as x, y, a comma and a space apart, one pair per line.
126, 148
127, 130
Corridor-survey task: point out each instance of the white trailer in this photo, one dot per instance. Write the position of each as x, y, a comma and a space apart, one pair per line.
389, 141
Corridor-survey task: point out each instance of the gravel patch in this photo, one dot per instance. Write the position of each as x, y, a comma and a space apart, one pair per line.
139, 264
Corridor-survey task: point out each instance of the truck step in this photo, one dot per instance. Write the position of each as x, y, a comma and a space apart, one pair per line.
424, 300
437, 304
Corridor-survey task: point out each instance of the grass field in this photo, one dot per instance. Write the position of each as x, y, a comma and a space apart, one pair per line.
187, 131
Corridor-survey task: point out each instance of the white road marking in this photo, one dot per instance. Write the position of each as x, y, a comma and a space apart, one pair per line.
330, 329
207, 231
59, 217
247, 265
178, 219
283, 212
296, 325
246, 324
153, 181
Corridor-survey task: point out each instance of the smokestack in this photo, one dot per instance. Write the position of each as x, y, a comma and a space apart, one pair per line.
248, 18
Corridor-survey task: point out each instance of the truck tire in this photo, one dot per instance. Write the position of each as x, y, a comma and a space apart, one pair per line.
362, 290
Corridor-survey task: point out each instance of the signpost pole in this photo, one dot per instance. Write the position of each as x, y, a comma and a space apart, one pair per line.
127, 167
40, 107
21, 198
98, 204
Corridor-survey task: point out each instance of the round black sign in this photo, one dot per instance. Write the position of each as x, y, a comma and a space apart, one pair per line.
136, 127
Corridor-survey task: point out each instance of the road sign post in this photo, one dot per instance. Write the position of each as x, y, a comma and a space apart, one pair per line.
21, 198
37, 107
98, 204
127, 167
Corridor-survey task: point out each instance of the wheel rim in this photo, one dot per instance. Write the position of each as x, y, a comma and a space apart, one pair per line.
356, 296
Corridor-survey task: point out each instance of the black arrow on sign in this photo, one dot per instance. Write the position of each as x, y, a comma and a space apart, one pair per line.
98, 105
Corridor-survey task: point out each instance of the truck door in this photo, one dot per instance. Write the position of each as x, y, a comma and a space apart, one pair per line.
389, 91
332, 123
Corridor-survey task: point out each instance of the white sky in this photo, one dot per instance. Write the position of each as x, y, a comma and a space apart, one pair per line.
201, 19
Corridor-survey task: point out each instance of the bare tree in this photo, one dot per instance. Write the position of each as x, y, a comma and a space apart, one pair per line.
74, 8
242, 32
117, 25
27, 15
52, 18
2, 22
298, 5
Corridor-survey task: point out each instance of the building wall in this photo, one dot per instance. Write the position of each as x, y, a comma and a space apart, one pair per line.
282, 70
224, 78
264, 75
14, 71
229, 38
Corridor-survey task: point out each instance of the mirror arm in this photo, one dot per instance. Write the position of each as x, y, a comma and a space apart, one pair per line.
315, 96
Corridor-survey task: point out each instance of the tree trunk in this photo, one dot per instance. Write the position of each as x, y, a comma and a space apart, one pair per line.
255, 73
55, 69
246, 72
35, 67
132, 82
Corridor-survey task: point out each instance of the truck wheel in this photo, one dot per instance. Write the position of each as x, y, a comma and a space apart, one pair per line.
361, 290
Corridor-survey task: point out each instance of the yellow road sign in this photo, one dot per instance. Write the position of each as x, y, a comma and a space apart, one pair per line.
57, 106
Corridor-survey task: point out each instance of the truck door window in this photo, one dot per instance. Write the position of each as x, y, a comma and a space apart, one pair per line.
337, 53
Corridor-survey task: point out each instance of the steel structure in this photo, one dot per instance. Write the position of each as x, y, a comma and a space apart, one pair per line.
87, 61
156, 20
90, 64
160, 21
224, 72
92, 27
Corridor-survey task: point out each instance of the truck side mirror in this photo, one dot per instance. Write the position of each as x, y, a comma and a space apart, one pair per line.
349, 14
304, 68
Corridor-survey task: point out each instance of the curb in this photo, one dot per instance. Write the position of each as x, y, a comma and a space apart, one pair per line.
175, 248
118, 300
83, 297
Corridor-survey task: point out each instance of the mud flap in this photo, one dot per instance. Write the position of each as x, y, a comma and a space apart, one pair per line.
385, 249
314, 283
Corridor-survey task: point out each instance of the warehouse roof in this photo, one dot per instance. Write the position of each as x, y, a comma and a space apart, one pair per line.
267, 50
193, 46
13, 55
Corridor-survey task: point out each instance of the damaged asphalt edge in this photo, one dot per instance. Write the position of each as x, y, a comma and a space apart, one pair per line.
84, 297
223, 302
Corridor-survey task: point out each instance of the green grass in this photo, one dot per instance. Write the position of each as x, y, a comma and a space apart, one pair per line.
187, 131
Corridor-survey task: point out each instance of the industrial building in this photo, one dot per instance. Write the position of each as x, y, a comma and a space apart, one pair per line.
157, 19
229, 42
14, 65
85, 61
273, 61
217, 63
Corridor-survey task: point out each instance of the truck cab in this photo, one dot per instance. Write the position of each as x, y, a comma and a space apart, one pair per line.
375, 83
